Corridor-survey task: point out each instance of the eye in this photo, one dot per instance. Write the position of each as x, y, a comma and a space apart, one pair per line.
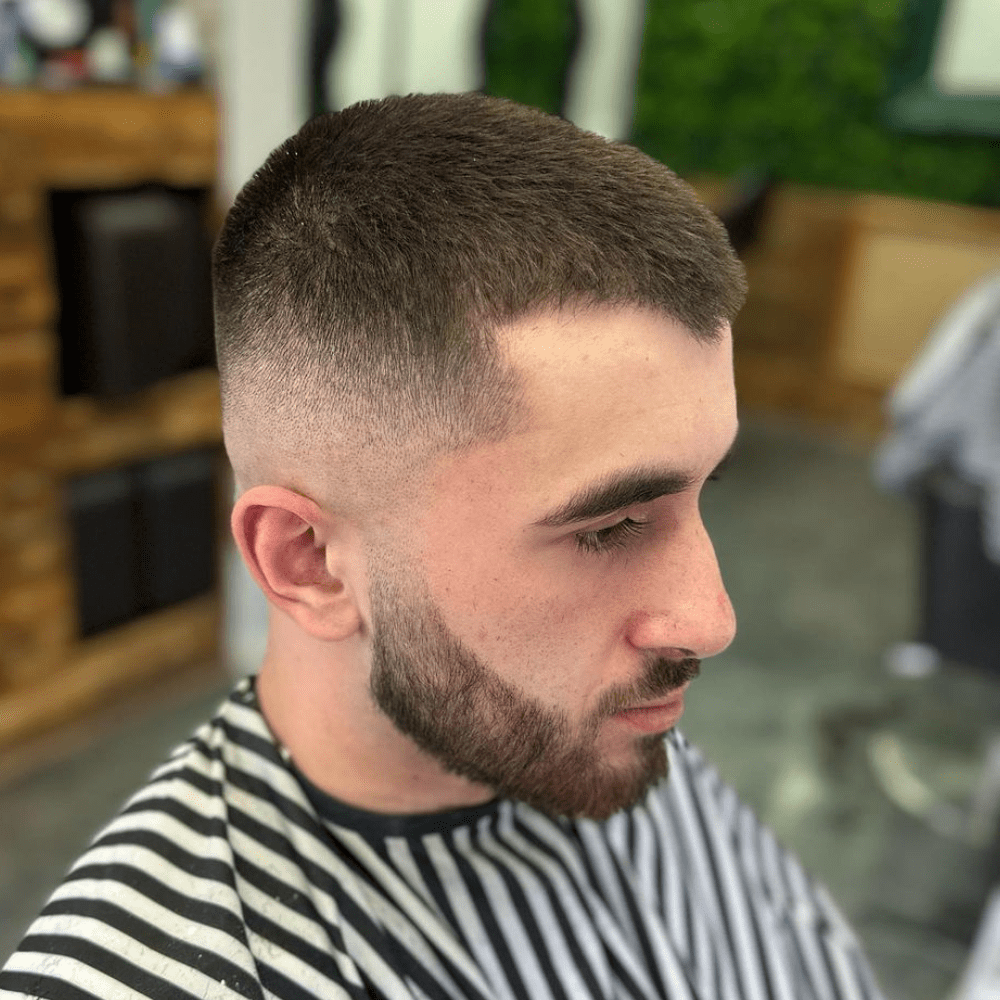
615, 536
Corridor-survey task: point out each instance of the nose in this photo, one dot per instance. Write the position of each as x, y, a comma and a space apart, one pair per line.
684, 607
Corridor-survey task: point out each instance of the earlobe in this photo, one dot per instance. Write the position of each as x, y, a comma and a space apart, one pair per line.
298, 555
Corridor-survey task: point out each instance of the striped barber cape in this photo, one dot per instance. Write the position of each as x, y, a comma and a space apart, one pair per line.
228, 875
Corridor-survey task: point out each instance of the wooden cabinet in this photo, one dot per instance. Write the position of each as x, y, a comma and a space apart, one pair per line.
906, 264
845, 289
87, 139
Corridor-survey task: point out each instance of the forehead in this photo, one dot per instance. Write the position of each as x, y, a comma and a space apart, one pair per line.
604, 390
582, 368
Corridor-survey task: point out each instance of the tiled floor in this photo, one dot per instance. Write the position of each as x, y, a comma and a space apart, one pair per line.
837, 754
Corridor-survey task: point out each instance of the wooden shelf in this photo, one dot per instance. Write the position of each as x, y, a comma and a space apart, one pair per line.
97, 139
89, 434
115, 137
106, 665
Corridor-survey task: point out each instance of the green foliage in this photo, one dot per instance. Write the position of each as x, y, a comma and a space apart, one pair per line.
795, 85
529, 45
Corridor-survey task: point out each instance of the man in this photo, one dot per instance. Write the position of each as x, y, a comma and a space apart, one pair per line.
476, 368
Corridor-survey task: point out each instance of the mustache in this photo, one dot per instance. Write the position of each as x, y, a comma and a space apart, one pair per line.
660, 678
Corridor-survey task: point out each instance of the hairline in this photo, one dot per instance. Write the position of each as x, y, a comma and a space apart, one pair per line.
426, 450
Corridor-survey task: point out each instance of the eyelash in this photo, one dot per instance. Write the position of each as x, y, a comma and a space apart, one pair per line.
615, 536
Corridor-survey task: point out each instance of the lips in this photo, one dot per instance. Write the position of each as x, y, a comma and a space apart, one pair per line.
655, 716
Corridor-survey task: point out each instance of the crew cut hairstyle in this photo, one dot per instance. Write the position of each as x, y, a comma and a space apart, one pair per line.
363, 270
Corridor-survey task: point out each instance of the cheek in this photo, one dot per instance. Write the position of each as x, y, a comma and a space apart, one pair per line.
525, 608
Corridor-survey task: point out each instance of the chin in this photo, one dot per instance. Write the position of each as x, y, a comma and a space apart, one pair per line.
597, 789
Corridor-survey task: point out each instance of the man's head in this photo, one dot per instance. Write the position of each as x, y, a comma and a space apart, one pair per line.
363, 271
475, 369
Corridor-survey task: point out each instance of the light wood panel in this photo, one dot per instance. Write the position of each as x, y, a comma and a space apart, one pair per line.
907, 264
844, 290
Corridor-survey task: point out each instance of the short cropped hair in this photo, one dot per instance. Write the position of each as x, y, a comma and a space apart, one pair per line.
362, 272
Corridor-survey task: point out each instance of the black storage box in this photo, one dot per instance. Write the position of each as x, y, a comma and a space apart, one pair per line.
103, 523
960, 585
144, 537
133, 274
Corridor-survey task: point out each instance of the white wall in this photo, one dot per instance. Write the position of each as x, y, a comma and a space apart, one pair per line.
261, 77
405, 46
261, 80
443, 55
394, 46
602, 88
967, 58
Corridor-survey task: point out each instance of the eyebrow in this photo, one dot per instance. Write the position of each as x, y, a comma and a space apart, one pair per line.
623, 489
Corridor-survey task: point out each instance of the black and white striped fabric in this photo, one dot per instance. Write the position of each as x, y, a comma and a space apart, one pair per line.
229, 875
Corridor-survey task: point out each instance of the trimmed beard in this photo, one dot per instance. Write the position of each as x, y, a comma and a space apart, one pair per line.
482, 728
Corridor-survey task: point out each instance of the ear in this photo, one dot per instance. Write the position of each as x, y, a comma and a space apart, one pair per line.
299, 555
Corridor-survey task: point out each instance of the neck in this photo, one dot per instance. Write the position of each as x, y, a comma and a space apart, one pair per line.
318, 705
